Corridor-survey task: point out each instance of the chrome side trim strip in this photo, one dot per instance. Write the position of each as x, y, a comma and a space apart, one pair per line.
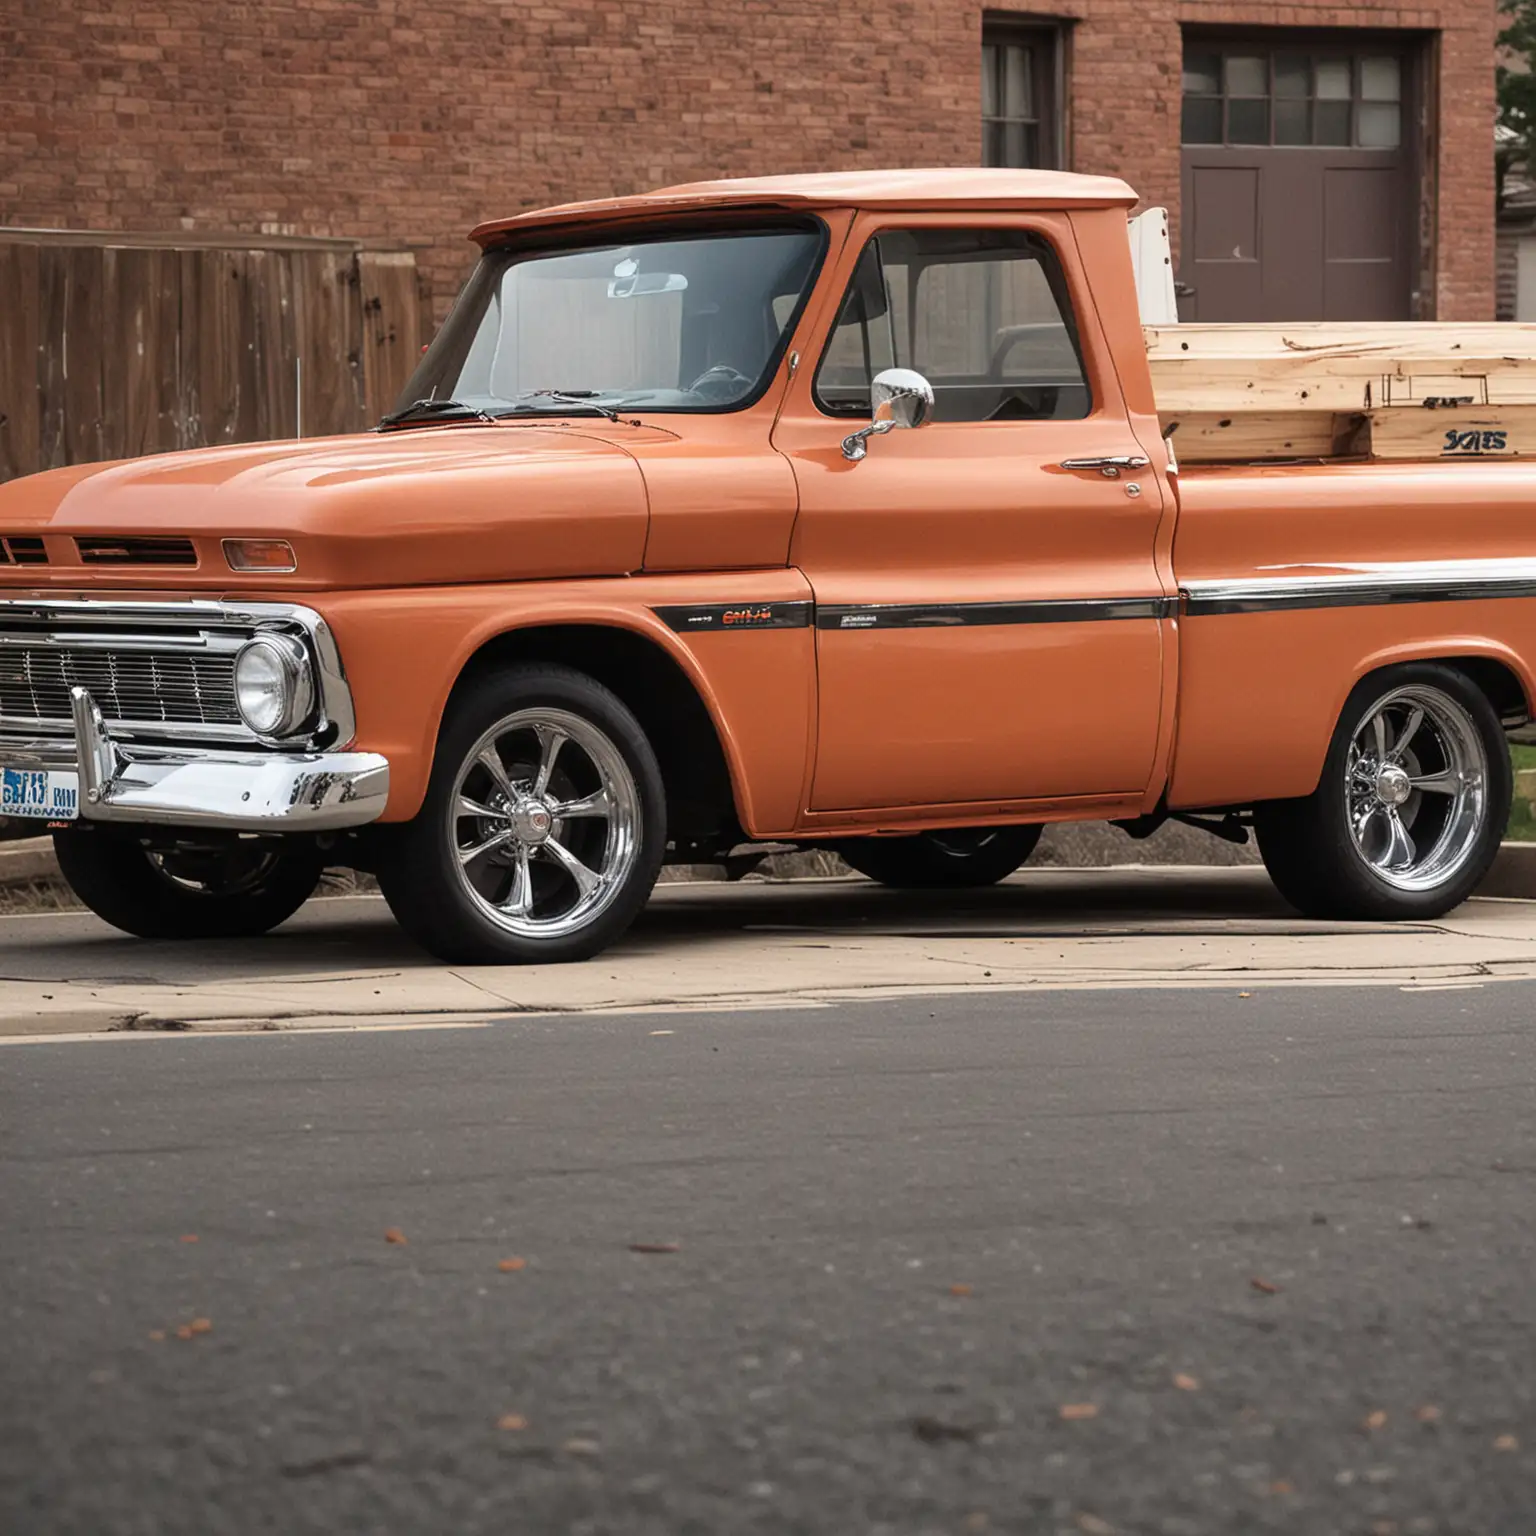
952, 615
1451, 581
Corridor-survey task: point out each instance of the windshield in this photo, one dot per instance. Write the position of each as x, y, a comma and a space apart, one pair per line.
663, 321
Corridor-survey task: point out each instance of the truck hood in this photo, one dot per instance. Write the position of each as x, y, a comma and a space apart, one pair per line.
410, 507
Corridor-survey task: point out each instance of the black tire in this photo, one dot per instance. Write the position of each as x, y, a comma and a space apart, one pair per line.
419, 862
236, 891
950, 860
1311, 852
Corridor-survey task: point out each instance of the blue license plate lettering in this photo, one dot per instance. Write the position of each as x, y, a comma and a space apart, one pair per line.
53, 796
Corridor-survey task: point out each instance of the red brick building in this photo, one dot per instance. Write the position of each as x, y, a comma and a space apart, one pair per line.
1321, 160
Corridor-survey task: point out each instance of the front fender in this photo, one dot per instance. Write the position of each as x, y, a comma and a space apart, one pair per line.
404, 651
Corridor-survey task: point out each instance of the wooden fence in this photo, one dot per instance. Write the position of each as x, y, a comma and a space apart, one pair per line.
118, 345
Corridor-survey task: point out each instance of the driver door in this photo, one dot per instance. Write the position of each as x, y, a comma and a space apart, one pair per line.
990, 621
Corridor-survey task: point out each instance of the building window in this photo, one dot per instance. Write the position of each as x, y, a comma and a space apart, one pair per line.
1019, 122
1247, 96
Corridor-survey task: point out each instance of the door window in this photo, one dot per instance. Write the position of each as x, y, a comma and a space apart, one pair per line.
983, 315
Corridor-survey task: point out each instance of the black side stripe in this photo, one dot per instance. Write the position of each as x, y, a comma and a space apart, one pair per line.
947, 615
687, 618
1198, 604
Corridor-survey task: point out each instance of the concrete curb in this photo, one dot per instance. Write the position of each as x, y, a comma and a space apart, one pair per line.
29, 859
1513, 873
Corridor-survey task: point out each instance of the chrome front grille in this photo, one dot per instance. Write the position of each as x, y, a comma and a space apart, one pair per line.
133, 682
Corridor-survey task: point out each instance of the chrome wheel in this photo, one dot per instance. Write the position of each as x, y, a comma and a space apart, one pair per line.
544, 823
1416, 777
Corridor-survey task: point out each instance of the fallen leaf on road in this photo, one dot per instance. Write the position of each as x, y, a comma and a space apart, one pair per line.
200, 1325
1079, 1410
1376, 1419
395, 1235
184, 1332
1506, 1443
959, 1290
511, 1266
189, 1237
653, 1248
1427, 1414
1093, 1525
1269, 1288
1280, 1488
512, 1421
1186, 1383
580, 1447
1245, 994
158, 1335
935, 1431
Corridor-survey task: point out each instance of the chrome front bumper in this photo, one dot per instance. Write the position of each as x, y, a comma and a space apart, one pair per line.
187, 786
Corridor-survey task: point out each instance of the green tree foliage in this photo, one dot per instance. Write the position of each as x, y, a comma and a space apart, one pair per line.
1516, 72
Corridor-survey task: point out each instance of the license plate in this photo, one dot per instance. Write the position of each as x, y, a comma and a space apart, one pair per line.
50, 796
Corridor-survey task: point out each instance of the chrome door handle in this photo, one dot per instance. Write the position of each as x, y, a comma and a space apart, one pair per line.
1109, 467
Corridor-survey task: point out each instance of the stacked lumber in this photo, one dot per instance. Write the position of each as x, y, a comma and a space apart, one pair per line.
1246, 393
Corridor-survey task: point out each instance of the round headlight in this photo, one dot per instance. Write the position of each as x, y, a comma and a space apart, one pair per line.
274, 687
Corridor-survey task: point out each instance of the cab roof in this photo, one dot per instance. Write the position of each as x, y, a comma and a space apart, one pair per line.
915, 190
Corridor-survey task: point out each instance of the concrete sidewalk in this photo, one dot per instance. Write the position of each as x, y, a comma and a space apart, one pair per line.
343, 963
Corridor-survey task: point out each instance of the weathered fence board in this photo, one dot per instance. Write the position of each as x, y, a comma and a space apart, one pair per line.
20, 421
113, 346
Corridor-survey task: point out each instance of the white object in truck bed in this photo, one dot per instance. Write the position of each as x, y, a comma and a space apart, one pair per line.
1152, 259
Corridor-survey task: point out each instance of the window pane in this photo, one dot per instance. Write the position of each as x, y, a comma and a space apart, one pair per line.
1291, 125
1381, 125
1018, 83
1330, 123
1019, 144
1247, 77
1293, 77
1248, 122
992, 144
1202, 74
1202, 120
989, 331
1333, 80
989, 80
1381, 80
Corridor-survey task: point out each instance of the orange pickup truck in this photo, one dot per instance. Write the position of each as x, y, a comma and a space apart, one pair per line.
830, 511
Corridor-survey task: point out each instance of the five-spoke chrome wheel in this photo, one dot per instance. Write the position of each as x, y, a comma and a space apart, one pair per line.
543, 827
1408, 811
545, 822
1416, 778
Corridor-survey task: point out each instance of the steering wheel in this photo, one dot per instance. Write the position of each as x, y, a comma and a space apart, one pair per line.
722, 382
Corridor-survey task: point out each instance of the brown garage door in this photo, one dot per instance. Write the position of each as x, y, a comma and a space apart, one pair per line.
1298, 183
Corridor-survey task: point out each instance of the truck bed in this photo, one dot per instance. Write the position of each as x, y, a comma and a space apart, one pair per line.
1255, 393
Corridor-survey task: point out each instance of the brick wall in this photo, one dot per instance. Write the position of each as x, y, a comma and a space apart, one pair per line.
382, 118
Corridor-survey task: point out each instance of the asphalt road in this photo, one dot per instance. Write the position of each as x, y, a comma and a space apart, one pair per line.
1273, 1255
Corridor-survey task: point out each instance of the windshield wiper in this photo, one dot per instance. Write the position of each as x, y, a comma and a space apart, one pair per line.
427, 410
579, 397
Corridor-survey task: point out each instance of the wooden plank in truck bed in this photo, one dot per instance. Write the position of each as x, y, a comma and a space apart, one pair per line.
1339, 368
1217, 437
1391, 433
1507, 432
1366, 339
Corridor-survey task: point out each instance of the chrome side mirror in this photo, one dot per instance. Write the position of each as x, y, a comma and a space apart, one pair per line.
901, 398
